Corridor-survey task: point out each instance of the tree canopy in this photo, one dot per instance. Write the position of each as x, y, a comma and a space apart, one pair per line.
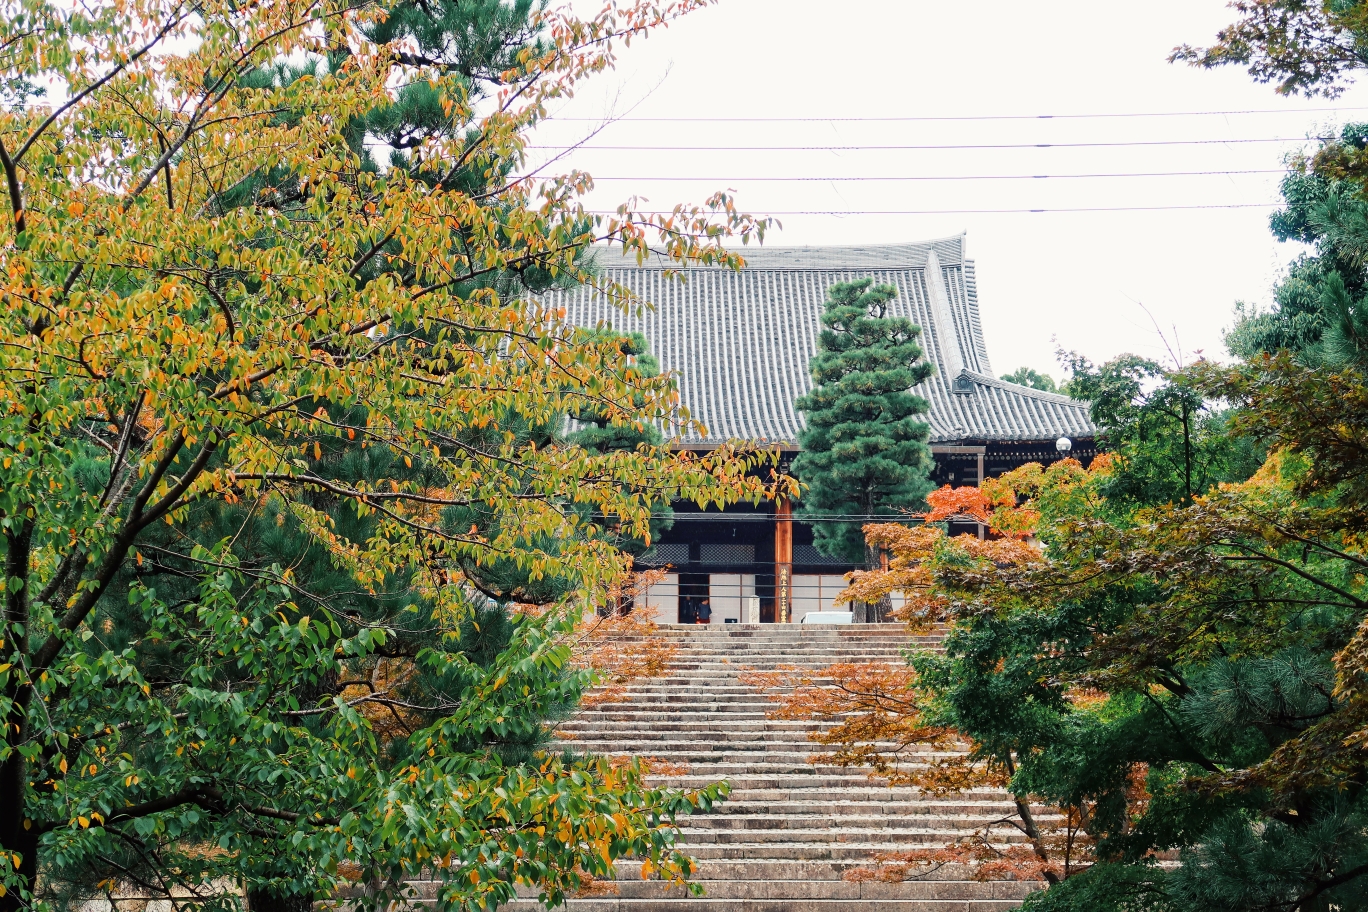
1027, 376
278, 416
1304, 47
864, 445
1162, 656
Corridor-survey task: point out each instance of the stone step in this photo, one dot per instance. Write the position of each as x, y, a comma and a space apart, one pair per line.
789, 830
787, 650
807, 890
716, 692
855, 787
617, 904
719, 759
893, 837
706, 673
696, 737
853, 853
715, 771
631, 887
803, 782
717, 869
751, 808
689, 666
704, 738
684, 720
793, 656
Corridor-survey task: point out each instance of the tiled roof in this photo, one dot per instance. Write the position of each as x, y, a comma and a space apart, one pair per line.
740, 341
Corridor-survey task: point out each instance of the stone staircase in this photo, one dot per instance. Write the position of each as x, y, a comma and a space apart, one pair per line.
790, 829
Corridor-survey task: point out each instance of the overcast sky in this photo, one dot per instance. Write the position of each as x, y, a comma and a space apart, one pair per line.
1084, 279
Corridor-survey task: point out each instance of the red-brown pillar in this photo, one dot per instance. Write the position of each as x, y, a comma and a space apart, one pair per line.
783, 561
980, 484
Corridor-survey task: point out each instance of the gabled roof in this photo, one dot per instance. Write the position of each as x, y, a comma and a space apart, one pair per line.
740, 341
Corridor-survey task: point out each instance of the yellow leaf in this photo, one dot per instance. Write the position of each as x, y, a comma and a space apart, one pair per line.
77, 209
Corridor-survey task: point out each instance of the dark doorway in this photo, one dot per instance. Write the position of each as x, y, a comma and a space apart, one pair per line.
693, 589
764, 588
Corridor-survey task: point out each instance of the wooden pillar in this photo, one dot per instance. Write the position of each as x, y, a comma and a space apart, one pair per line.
783, 561
980, 484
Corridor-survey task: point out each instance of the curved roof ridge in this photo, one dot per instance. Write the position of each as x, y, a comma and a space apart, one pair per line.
950, 249
1030, 391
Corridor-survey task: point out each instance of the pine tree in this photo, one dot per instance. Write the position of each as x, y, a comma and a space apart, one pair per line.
475, 43
242, 635
602, 432
865, 450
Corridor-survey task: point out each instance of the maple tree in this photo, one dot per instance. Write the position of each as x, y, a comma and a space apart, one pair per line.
1162, 657
892, 719
1171, 693
1306, 47
255, 380
1172, 437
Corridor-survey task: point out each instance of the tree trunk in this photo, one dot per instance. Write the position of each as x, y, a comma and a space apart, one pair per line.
268, 900
877, 612
15, 840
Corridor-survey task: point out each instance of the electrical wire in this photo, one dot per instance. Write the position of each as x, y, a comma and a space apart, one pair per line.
929, 147
1269, 205
952, 118
943, 177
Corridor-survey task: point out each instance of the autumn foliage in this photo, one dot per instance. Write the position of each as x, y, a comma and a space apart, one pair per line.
884, 718
619, 649
1164, 690
282, 441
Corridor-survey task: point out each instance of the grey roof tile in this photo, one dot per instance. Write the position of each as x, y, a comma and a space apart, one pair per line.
740, 341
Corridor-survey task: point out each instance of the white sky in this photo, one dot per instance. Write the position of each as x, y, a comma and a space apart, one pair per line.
1080, 278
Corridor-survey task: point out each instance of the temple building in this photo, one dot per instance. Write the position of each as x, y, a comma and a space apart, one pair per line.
740, 343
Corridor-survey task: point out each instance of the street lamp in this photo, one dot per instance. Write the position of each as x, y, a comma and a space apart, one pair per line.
1063, 444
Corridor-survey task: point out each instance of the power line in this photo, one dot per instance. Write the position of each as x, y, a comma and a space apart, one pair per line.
911, 148
955, 118
945, 177
983, 211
